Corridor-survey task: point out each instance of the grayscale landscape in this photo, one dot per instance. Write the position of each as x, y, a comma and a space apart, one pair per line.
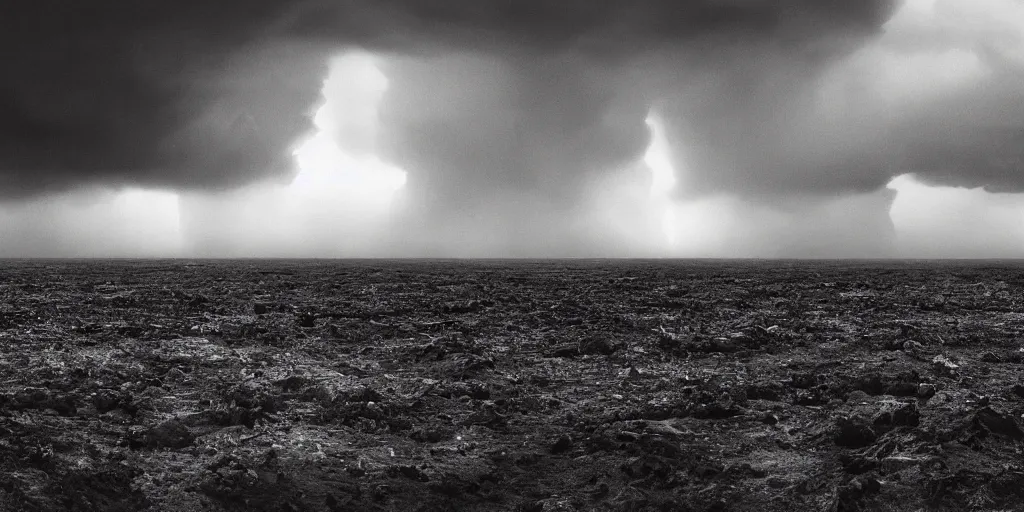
511, 255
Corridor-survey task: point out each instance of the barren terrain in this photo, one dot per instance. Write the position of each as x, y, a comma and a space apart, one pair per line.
511, 385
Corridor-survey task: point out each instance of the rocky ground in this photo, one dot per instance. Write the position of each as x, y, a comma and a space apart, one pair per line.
501, 385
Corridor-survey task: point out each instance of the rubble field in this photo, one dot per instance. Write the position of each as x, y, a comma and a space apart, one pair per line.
408, 385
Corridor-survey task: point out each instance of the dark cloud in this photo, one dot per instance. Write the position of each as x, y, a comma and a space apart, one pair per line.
489, 100
974, 138
542, 109
763, 127
494, 129
198, 94
170, 93
603, 28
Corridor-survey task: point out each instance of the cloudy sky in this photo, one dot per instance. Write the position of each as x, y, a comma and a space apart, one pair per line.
707, 128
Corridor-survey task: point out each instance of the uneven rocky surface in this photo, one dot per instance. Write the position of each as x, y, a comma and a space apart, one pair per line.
503, 385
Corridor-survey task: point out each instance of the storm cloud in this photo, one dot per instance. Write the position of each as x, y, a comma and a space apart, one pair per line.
510, 116
213, 94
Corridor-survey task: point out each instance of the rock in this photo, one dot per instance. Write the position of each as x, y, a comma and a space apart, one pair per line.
912, 346
234, 415
562, 445
486, 416
461, 308
306, 320
675, 292
989, 357
333, 504
31, 398
708, 470
293, 383
717, 411
897, 463
898, 415
41, 398
944, 366
251, 395
598, 492
902, 388
106, 400
323, 394
565, 350
925, 391
410, 472
998, 423
431, 434
771, 391
854, 432
633, 373
665, 429
746, 469
871, 384
857, 396
857, 489
934, 303
811, 397
803, 380
169, 434
260, 309
892, 344
64, 405
466, 366
721, 345
598, 345
646, 465
1018, 389
857, 464
906, 329
770, 419
471, 388
175, 375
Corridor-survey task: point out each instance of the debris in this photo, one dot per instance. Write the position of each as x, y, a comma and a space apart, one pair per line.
598, 345
106, 400
998, 423
854, 432
925, 391
896, 414
171, 434
944, 367
562, 445
897, 463
306, 320
857, 489
912, 346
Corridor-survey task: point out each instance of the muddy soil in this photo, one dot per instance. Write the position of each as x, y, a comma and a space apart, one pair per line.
501, 385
